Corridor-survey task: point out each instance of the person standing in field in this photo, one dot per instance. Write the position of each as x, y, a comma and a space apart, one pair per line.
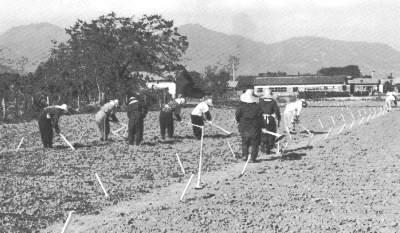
271, 120
200, 113
291, 114
390, 98
48, 120
136, 111
167, 114
103, 116
249, 116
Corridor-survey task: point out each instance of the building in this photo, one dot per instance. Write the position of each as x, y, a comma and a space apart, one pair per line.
155, 81
291, 85
370, 85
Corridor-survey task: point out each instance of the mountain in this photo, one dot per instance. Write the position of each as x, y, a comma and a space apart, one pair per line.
301, 54
31, 41
207, 47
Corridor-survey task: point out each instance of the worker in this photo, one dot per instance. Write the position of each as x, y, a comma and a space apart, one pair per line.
167, 114
292, 114
249, 116
103, 116
200, 113
48, 120
137, 111
389, 100
271, 121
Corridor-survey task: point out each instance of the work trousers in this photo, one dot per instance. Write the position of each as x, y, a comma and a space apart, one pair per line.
166, 123
46, 132
268, 140
197, 120
252, 141
135, 130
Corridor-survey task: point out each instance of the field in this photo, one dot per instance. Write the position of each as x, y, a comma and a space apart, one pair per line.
344, 181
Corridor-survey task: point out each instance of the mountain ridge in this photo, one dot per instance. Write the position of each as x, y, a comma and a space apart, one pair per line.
305, 54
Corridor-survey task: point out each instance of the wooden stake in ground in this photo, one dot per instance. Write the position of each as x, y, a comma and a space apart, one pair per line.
233, 153
64, 230
19, 145
66, 141
288, 132
245, 165
320, 122
198, 185
344, 121
187, 186
180, 163
333, 121
341, 129
329, 131
102, 186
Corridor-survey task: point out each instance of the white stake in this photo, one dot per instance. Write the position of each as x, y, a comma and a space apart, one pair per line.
341, 129
19, 145
343, 118
198, 186
288, 131
333, 121
245, 165
361, 121
352, 123
187, 186
352, 116
66, 141
278, 151
180, 163
320, 122
233, 153
329, 131
102, 186
67, 222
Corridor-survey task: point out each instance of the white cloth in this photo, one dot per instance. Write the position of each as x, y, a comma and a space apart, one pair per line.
248, 97
200, 109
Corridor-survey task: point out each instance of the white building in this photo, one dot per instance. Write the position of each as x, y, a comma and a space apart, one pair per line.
290, 85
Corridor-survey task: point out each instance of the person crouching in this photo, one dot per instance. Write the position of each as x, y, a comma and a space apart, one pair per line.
103, 116
249, 116
167, 113
199, 113
48, 120
136, 113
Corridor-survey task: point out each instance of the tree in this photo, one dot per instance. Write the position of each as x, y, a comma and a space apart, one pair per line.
216, 80
351, 70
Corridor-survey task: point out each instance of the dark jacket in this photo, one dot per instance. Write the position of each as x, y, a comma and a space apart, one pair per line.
53, 115
270, 106
136, 110
249, 117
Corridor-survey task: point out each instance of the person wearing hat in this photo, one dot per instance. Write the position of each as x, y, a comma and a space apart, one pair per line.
291, 114
103, 116
271, 114
249, 116
48, 120
200, 113
136, 113
167, 113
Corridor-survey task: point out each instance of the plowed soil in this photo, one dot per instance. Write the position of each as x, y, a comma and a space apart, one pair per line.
347, 181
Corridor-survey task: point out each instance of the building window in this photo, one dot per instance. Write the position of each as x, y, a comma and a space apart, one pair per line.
344, 88
279, 89
295, 89
259, 90
325, 88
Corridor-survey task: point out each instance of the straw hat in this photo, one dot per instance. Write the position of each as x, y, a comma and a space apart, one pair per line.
248, 97
209, 102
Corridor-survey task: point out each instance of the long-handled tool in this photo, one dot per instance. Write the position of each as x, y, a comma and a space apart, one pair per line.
219, 127
277, 135
66, 141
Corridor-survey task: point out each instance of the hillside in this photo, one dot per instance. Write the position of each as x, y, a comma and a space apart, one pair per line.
302, 54
207, 47
32, 41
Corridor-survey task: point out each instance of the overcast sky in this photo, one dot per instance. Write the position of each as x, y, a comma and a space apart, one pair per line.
261, 20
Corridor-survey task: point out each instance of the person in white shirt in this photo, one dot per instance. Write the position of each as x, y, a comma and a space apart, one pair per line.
200, 113
388, 101
291, 115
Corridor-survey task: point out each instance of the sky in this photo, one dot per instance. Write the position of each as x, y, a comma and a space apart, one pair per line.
261, 20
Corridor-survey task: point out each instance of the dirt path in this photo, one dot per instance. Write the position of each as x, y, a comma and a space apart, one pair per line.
347, 183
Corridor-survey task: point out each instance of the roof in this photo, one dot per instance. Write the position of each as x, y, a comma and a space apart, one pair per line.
364, 81
299, 80
150, 77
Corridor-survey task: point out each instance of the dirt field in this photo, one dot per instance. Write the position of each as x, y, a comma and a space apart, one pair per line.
347, 181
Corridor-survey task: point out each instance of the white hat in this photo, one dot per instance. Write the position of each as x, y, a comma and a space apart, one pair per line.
132, 98
63, 107
115, 102
209, 102
248, 97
